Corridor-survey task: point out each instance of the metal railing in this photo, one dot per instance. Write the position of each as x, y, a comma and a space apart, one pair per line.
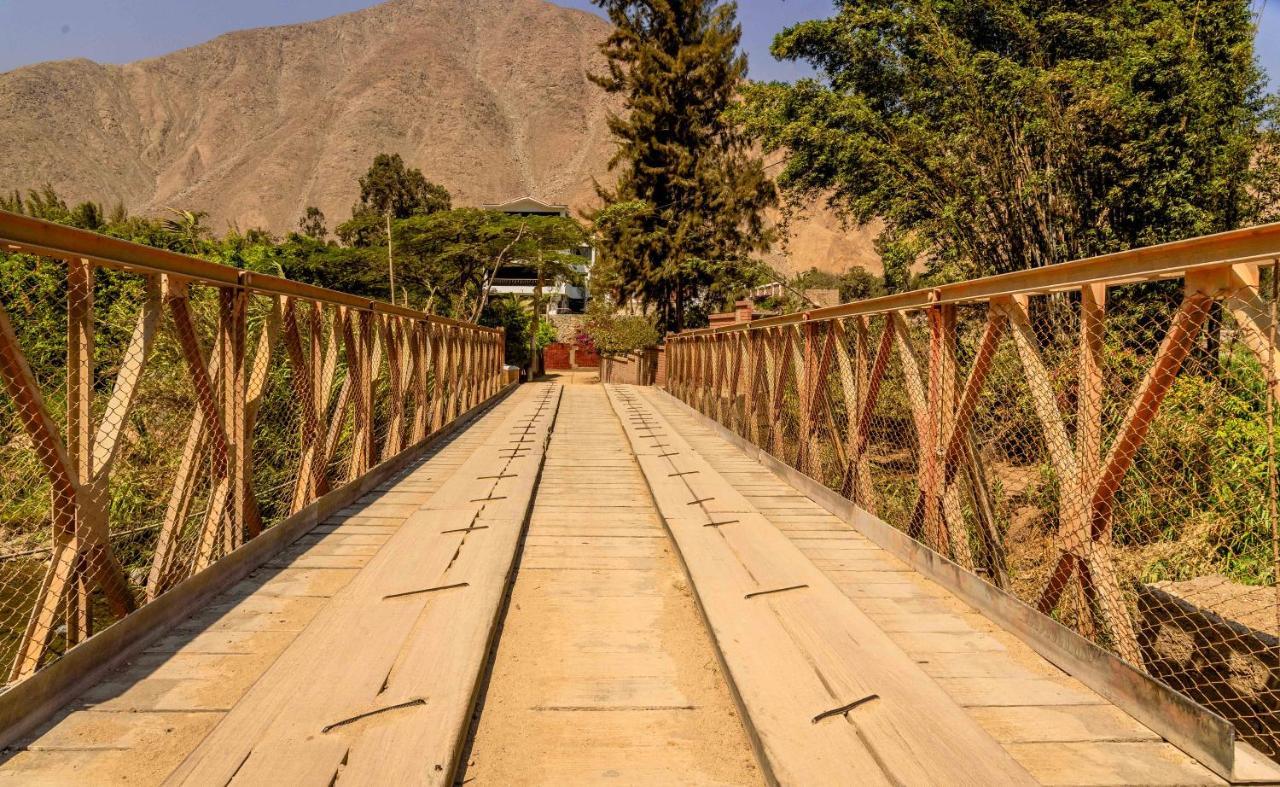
160, 411
1096, 438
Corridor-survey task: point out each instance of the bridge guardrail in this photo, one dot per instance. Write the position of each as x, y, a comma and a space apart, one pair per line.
159, 411
1096, 438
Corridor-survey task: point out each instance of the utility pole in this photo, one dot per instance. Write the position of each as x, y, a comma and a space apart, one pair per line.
391, 266
535, 364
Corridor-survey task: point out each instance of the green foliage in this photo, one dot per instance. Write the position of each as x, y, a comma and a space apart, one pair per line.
678, 229
1195, 501
390, 188
312, 224
364, 229
506, 311
855, 284
1197, 496
994, 136
447, 258
614, 334
46, 204
546, 336
858, 283
187, 230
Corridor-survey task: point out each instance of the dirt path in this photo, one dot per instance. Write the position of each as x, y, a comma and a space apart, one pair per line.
604, 670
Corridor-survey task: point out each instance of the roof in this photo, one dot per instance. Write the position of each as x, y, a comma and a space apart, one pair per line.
529, 205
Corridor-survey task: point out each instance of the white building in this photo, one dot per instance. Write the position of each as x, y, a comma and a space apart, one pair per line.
520, 279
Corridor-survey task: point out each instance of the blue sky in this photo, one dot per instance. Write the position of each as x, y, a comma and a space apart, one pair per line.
118, 31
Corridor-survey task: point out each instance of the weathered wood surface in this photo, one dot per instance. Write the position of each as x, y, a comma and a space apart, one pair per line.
138, 726
832, 698
380, 685
604, 672
1055, 727
368, 615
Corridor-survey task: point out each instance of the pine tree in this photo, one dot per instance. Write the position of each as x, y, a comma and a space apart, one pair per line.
687, 212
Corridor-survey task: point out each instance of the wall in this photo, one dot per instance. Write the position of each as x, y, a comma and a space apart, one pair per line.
1228, 667
636, 368
556, 357
559, 356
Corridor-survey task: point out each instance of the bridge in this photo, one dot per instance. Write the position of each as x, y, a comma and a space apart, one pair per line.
1015, 530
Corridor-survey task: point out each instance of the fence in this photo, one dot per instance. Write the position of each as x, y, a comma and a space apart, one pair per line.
202, 405
1096, 438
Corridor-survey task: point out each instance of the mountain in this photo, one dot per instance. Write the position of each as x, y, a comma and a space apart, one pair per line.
488, 97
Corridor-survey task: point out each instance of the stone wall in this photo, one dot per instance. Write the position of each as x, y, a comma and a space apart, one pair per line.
1229, 668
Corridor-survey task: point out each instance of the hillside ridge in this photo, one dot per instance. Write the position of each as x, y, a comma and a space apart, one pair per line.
490, 98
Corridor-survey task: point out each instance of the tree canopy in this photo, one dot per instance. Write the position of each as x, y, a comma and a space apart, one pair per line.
995, 135
448, 259
389, 187
686, 213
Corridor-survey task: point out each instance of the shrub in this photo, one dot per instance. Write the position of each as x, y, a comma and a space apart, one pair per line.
616, 334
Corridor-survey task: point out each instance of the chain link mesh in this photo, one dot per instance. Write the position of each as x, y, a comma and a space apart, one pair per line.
1107, 455
152, 424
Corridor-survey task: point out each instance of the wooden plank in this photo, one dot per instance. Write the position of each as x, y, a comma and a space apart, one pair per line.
394, 691
794, 655
275, 609
72, 589
233, 324
917, 605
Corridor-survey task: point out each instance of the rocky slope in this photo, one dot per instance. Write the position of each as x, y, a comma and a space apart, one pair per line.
488, 97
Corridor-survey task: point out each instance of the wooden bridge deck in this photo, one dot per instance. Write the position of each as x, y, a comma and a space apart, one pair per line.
383, 647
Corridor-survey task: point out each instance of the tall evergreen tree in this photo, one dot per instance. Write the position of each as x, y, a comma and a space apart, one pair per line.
686, 213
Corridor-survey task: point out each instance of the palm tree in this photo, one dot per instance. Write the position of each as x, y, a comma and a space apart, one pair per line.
187, 230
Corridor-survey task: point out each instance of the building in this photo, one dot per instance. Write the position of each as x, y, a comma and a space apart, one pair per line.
520, 279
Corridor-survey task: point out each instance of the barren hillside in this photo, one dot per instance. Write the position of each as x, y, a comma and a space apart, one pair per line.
488, 97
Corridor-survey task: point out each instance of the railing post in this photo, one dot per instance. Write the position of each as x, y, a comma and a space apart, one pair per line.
60, 468
309, 482
437, 377
364, 406
80, 351
455, 372
418, 353
392, 337
806, 389
232, 325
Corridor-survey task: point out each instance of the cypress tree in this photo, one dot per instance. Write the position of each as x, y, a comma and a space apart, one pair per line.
680, 225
